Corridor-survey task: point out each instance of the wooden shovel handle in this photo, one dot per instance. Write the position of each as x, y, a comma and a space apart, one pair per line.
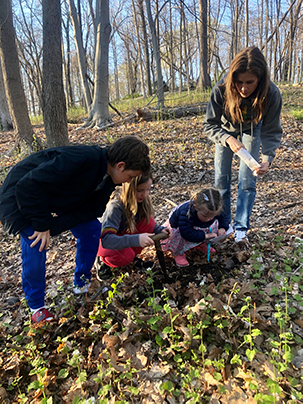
159, 236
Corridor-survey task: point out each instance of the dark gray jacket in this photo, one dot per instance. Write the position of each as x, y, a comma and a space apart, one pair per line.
218, 126
56, 189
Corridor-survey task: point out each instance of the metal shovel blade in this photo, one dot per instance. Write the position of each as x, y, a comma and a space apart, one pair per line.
156, 238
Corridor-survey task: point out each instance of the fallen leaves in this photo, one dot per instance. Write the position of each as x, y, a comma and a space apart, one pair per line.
125, 345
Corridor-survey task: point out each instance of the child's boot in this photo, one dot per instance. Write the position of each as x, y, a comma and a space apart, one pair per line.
204, 248
181, 260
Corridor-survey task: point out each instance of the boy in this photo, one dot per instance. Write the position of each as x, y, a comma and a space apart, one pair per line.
59, 189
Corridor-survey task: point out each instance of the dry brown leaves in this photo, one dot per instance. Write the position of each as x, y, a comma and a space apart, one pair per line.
124, 344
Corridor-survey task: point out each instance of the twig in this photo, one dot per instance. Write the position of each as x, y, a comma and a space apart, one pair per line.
169, 201
290, 205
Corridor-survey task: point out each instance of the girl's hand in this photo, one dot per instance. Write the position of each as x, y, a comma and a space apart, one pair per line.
44, 236
221, 232
234, 144
210, 235
167, 231
263, 169
145, 240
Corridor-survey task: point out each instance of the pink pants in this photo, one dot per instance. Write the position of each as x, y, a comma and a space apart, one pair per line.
121, 258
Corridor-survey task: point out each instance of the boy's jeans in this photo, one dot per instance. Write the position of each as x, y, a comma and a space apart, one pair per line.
246, 180
33, 261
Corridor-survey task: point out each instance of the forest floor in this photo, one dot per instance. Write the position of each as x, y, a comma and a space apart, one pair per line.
225, 331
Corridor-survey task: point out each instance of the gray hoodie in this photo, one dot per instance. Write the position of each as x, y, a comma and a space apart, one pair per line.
218, 126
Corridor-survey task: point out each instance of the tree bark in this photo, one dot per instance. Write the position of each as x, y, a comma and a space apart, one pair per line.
164, 113
12, 80
146, 52
99, 113
204, 79
160, 90
54, 103
5, 118
139, 50
80, 54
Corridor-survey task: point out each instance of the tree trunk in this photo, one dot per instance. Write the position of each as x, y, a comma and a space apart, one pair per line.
266, 27
146, 52
171, 51
80, 54
204, 79
99, 113
186, 52
5, 118
54, 104
12, 80
139, 50
67, 61
246, 23
116, 70
180, 49
160, 90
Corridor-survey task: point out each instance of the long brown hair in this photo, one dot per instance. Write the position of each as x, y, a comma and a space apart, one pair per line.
144, 210
249, 60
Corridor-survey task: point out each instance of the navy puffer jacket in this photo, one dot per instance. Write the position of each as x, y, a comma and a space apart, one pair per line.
179, 218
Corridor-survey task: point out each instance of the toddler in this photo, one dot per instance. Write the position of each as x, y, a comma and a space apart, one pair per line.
193, 222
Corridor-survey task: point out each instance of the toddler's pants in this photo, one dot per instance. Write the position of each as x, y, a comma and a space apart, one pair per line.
33, 261
121, 258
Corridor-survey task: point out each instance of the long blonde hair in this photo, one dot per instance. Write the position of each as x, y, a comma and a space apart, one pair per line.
144, 210
250, 60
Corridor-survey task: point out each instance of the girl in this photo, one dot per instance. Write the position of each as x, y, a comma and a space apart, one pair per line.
243, 112
127, 225
195, 221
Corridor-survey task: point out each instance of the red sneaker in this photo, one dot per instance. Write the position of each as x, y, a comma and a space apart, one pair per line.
181, 260
42, 315
204, 248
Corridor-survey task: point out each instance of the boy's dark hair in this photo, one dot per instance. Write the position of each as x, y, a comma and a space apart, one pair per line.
132, 151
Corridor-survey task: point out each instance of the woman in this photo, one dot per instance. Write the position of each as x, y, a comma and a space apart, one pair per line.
243, 112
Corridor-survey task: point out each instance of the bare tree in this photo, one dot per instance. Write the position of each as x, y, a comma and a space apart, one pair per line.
145, 42
80, 54
67, 58
54, 105
139, 49
12, 79
246, 23
5, 118
99, 112
204, 79
152, 27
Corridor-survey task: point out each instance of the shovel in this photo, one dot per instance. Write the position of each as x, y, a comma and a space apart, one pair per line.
156, 238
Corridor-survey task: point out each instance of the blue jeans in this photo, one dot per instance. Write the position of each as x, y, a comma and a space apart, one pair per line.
33, 261
246, 179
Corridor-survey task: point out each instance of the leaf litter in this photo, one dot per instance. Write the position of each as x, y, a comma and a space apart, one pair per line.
187, 338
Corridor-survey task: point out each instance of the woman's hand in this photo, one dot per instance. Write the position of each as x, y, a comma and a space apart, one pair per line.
263, 169
145, 240
210, 235
234, 144
221, 232
167, 231
44, 236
